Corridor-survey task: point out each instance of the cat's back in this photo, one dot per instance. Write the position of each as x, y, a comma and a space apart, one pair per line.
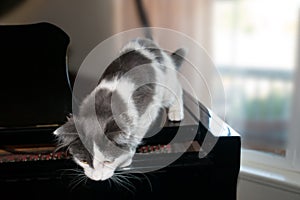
134, 74
135, 55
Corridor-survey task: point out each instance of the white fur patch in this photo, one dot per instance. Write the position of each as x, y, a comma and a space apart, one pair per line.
147, 54
110, 85
125, 89
56, 132
135, 45
98, 156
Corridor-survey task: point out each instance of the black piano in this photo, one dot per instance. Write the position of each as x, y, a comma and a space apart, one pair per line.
196, 158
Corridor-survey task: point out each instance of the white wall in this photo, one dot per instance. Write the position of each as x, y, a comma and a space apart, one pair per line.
256, 187
261, 190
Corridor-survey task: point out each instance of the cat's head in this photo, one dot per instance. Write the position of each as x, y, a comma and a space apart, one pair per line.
98, 154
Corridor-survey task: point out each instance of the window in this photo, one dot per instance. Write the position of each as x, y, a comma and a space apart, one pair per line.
255, 49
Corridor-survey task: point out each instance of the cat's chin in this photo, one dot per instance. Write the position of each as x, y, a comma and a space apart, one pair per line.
100, 176
103, 178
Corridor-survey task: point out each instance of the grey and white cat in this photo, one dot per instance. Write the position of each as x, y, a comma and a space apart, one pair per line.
116, 115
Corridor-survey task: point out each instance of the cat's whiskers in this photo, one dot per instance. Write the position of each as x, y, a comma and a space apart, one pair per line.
109, 182
78, 180
131, 175
123, 182
78, 176
73, 169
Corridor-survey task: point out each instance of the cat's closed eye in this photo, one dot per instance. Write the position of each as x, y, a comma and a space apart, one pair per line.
107, 162
84, 162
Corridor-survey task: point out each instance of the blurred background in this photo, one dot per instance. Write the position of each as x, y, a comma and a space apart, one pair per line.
253, 43
254, 47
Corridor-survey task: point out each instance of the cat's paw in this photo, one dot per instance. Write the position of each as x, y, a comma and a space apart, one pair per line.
175, 115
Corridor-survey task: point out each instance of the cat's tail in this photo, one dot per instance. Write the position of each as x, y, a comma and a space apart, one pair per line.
178, 55
143, 19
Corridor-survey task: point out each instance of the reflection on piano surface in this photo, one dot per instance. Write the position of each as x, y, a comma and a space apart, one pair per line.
198, 157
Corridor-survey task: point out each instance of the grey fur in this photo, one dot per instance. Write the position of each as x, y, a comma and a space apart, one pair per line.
152, 47
124, 63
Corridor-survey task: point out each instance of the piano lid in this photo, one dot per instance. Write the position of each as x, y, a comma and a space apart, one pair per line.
34, 86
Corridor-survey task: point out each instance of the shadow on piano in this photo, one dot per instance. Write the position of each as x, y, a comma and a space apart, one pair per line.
202, 161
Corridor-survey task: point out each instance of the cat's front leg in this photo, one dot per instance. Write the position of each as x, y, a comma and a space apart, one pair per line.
175, 112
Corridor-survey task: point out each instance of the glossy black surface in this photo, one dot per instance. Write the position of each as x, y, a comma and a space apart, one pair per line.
212, 176
33, 79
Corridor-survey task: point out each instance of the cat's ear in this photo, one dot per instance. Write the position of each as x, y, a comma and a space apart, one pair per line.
67, 133
178, 57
